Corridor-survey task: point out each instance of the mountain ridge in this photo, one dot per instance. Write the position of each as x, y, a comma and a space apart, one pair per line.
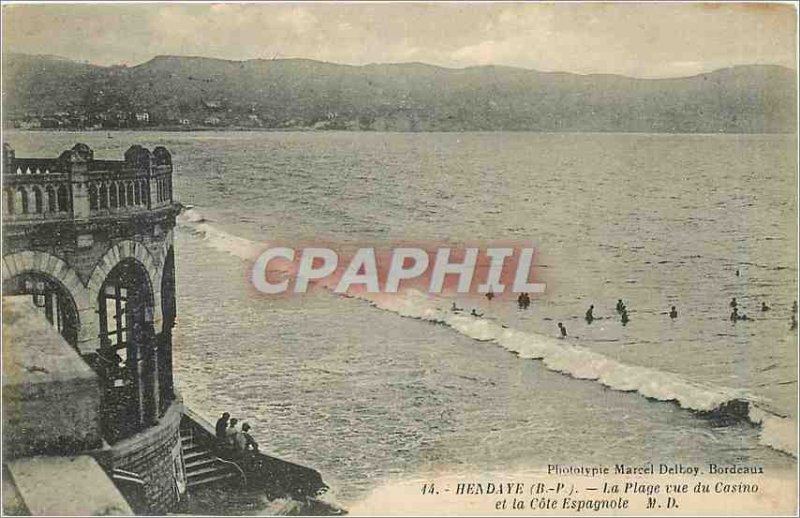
413, 96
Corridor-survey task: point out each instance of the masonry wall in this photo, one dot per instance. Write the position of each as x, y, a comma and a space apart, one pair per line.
81, 269
154, 455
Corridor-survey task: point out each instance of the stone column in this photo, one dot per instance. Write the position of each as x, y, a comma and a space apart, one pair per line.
79, 170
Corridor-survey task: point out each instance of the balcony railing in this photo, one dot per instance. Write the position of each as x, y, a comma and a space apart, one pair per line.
75, 186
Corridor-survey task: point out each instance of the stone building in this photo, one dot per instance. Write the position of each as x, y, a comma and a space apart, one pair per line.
88, 250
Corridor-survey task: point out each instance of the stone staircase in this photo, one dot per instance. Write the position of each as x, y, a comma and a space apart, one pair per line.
202, 465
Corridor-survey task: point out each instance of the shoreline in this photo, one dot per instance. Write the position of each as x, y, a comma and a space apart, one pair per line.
308, 129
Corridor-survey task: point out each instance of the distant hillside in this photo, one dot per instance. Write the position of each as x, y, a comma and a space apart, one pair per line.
295, 93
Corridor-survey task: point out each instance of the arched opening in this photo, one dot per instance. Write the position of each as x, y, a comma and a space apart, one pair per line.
63, 199
9, 201
146, 193
49, 297
112, 194
129, 193
93, 201
22, 197
37, 200
51, 198
122, 201
103, 196
168, 313
127, 342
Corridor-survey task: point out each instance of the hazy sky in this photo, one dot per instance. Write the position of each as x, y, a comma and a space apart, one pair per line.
644, 40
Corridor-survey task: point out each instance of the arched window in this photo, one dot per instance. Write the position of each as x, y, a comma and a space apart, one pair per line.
129, 192
22, 196
93, 201
137, 193
112, 195
103, 196
37, 200
122, 201
126, 362
63, 199
9, 201
51, 298
51, 199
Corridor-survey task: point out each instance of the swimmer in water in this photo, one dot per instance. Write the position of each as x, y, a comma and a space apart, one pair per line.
625, 319
490, 294
764, 307
734, 303
521, 301
589, 314
475, 314
563, 330
673, 313
454, 307
620, 306
735, 316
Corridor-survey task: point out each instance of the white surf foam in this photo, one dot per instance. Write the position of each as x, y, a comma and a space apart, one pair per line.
558, 355
219, 239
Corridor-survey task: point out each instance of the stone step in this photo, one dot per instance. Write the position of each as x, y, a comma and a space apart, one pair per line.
200, 472
194, 454
192, 448
215, 478
200, 461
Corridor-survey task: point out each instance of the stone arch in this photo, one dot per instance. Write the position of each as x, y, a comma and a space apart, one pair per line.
166, 244
42, 262
58, 270
129, 250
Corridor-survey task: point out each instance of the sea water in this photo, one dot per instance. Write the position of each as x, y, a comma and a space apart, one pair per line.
366, 391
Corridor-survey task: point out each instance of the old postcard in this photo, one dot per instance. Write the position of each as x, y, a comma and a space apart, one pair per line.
426, 258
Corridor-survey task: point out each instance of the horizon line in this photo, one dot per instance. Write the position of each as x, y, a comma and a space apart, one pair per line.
398, 63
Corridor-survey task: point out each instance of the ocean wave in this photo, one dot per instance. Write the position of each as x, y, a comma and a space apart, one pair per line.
719, 403
559, 355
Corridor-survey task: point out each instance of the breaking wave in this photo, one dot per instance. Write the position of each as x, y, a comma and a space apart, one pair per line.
563, 356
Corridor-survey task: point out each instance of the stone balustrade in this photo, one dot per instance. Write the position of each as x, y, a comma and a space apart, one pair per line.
76, 186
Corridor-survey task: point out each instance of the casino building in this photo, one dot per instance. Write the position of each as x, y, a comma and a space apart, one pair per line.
92, 423
89, 305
